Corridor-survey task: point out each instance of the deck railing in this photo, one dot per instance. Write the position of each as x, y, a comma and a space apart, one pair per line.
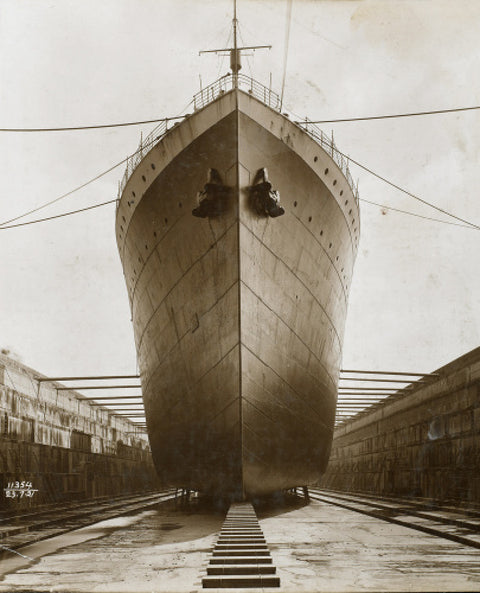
328, 144
231, 81
144, 146
219, 88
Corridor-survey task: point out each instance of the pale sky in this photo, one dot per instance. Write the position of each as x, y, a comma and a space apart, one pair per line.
414, 301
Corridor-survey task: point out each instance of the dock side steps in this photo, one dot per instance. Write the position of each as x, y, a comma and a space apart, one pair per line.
241, 558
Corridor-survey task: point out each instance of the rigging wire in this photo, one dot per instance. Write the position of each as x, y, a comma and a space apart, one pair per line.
287, 41
19, 224
462, 220
333, 147
408, 193
69, 193
223, 55
401, 189
92, 127
246, 55
123, 161
465, 226
397, 115
305, 121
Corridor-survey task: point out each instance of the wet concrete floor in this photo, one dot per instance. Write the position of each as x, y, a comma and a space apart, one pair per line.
315, 548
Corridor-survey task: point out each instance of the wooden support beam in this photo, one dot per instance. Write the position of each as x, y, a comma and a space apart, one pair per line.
75, 387
105, 405
394, 389
373, 380
111, 397
390, 373
87, 378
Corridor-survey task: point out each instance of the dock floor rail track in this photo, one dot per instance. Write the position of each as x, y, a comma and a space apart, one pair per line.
30, 527
457, 525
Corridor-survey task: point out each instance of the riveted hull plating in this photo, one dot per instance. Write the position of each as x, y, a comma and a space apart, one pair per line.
239, 318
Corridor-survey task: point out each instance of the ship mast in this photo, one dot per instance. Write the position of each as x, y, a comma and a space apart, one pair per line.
235, 51
235, 55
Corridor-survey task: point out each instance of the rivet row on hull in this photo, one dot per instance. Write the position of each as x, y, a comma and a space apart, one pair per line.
238, 230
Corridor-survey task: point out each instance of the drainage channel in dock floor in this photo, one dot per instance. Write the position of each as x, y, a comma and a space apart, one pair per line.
241, 557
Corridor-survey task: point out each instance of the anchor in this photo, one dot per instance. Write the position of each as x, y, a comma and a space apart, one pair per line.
263, 198
212, 200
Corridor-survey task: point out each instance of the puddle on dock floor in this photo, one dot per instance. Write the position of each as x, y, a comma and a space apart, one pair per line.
30, 554
118, 554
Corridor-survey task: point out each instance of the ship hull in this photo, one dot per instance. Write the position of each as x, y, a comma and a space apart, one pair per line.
238, 318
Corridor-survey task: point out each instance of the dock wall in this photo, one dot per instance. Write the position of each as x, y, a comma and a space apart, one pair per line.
424, 442
65, 447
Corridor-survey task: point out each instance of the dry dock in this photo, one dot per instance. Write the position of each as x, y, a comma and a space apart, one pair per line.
315, 547
402, 512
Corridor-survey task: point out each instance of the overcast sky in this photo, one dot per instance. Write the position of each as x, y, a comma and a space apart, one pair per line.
414, 299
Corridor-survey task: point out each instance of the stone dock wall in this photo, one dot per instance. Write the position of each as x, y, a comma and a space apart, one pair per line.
424, 442
66, 448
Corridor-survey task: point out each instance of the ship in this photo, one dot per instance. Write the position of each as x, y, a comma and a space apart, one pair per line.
237, 229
